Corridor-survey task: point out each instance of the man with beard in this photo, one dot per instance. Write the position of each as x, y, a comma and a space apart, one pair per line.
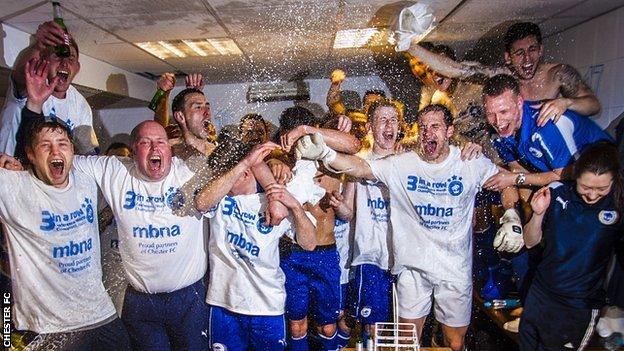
432, 193
193, 133
553, 87
65, 103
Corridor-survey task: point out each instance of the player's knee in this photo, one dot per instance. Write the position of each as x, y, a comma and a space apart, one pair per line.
327, 330
456, 344
299, 328
346, 323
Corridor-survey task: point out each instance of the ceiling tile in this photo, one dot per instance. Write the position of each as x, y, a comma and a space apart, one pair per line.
10, 8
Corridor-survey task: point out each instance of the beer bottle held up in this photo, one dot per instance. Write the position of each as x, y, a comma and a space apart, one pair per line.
62, 50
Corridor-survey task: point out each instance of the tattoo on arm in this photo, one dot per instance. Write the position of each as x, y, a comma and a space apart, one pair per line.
571, 82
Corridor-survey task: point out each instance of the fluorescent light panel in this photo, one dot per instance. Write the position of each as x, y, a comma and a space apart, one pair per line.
357, 38
190, 48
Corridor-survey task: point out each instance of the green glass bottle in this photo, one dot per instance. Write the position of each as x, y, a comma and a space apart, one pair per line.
156, 99
62, 50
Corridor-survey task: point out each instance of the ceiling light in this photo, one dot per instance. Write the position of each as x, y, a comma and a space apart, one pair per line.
190, 48
357, 38
225, 46
172, 48
195, 48
155, 49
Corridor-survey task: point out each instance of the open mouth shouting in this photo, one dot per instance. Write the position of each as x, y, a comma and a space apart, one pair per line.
504, 130
57, 166
429, 147
155, 163
389, 136
527, 70
63, 75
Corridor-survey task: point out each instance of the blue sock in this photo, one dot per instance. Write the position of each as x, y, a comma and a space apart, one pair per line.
299, 344
329, 343
365, 335
343, 338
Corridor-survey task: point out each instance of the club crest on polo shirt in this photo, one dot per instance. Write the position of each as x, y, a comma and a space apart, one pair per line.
151, 203
218, 347
607, 217
84, 214
452, 185
365, 312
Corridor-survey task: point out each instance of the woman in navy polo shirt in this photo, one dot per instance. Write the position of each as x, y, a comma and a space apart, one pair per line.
578, 224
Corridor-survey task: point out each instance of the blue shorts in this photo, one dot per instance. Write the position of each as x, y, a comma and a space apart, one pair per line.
371, 294
165, 321
234, 331
312, 283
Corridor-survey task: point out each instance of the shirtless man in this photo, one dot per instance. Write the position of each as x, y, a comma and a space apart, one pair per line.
555, 87
313, 277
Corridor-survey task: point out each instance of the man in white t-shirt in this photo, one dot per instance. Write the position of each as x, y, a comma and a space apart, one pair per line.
66, 102
50, 223
163, 255
371, 263
246, 291
432, 194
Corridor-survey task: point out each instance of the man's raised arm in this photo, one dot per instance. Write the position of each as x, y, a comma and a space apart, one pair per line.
313, 147
211, 194
451, 68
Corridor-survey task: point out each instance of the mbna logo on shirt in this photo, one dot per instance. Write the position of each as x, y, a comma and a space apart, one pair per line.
607, 217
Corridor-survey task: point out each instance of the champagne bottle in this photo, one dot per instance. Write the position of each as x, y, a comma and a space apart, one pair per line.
62, 50
158, 96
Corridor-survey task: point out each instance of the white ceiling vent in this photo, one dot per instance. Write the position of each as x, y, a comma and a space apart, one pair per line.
278, 91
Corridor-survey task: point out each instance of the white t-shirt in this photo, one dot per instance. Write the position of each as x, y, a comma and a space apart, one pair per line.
74, 110
342, 233
161, 252
432, 207
245, 276
54, 250
372, 222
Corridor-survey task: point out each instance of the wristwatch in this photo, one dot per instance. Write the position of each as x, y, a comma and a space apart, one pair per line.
520, 179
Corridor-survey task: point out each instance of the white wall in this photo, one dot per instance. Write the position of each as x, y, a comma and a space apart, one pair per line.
596, 49
93, 72
229, 101
229, 104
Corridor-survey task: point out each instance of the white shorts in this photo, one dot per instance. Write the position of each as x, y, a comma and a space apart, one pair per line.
453, 300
